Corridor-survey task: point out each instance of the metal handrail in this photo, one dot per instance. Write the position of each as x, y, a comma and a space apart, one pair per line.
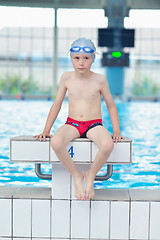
40, 174
107, 175
49, 176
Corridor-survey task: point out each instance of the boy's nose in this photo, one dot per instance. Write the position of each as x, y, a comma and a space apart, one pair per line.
81, 62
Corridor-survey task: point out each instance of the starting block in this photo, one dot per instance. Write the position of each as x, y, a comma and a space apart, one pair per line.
71, 218
81, 150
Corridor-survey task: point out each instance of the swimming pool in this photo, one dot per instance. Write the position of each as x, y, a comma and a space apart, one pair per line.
138, 120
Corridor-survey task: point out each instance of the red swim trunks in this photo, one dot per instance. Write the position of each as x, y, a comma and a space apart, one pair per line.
84, 126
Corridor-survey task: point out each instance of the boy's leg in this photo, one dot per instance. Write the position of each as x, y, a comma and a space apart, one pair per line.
103, 140
60, 139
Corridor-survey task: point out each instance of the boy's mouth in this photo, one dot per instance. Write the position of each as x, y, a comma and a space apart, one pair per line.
81, 69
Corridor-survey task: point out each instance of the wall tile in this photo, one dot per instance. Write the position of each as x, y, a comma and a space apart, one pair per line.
29, 151
120, 154
27, 239
155, 221
61, 182
41, 218
2, 238
80, 219
139, 220
5, 217
22, 217
99, 219
119, 222
60, 218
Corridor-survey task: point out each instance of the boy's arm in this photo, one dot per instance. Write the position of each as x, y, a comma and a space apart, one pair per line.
112, 109
53, 113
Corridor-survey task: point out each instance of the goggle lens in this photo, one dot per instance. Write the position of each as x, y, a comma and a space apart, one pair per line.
88, 49
75, 49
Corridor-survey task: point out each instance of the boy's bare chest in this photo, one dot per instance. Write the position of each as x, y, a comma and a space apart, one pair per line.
83, 91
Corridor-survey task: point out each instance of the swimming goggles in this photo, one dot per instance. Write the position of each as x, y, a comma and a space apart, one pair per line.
85, 49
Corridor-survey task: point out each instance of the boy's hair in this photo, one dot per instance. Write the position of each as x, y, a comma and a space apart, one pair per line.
83, 42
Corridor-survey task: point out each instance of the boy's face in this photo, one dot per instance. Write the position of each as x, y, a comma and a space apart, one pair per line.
81, 63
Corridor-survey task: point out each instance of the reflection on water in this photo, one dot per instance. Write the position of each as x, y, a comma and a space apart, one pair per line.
138, 120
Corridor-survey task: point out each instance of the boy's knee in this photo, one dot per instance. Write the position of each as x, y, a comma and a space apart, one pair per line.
56, 143
107, 146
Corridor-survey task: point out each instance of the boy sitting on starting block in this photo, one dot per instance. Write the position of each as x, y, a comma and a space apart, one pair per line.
84, 119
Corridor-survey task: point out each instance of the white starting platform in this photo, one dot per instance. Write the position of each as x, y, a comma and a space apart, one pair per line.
82, 151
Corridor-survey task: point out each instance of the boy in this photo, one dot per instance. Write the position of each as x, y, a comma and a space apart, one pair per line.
84, 119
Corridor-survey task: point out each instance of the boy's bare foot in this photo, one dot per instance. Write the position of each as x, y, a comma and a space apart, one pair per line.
89, 192
78, 182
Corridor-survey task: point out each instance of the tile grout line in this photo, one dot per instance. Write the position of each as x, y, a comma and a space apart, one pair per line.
70, 179
12, 218
149, 221
70, 207
70, 220
109, 232
90, 200
31, 217
90, 205
129, 230
50, 218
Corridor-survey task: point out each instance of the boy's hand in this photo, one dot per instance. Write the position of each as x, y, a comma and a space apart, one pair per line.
42, 136
117, 137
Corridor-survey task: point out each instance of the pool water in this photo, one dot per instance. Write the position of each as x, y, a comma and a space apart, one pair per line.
138, 121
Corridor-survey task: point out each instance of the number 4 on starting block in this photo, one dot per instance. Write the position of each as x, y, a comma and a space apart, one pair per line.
71, 152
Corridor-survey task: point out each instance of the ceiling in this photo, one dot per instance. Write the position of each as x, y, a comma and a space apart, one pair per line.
91, 4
